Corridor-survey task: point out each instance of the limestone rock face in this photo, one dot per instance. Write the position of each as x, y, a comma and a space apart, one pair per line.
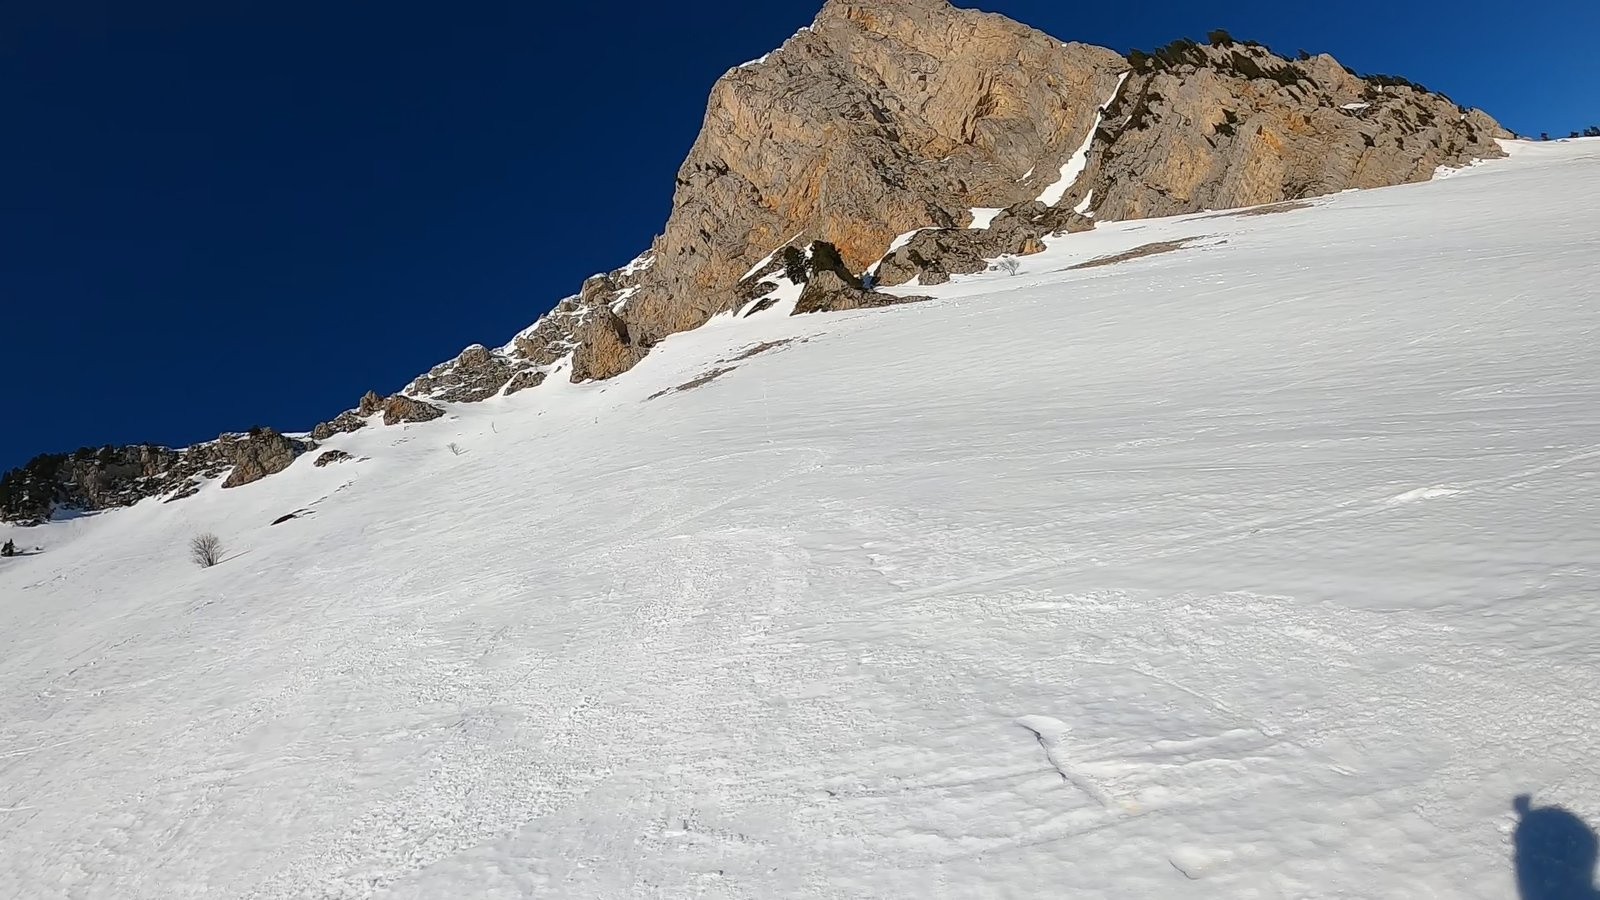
371, 404
524, 379
934, 254
329, 457
827, 292
89, 479
881, 118
885, 116
605, 348
108, 477
343, 423
551, 344
399, 408
827, 284
476, 374
474, 379
261, 453
396, 408
1217, 127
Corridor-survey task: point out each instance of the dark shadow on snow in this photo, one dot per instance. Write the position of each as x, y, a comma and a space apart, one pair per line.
1554, 853
67, 513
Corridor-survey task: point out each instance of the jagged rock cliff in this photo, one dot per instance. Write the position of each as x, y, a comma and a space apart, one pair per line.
1216, 127
917, 140
886, 116
1221, 126
93, 479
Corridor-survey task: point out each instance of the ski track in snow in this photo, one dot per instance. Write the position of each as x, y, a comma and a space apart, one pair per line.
1261, 569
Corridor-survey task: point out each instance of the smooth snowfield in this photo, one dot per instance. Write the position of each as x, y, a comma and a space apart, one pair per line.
1266, 567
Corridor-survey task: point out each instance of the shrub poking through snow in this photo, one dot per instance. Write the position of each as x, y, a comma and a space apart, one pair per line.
1008, 265
205, 550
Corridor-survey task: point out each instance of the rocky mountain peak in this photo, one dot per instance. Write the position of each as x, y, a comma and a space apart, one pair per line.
888, 121
916, 140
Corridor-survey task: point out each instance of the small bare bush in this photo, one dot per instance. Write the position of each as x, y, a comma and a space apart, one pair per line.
1008, 265
206, 550
454, 448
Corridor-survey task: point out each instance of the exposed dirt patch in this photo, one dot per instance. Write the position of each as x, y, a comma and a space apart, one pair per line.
1271, 209
1137, 253
695, 382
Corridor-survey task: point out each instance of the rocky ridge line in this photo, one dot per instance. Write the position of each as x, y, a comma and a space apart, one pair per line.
93, 479
874, 140
889, 118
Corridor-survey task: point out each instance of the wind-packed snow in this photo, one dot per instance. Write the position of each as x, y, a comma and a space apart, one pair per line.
982, 216
1079, 160
1082, 208
1261, 568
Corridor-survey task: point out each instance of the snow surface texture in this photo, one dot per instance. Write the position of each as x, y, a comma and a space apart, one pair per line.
982, 217
1267, 567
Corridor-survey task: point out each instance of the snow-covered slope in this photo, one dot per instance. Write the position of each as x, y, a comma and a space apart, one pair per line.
1265, 567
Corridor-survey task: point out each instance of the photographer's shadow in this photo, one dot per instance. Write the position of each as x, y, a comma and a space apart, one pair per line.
1554, 853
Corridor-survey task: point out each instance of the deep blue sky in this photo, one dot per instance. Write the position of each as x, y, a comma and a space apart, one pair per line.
223, 213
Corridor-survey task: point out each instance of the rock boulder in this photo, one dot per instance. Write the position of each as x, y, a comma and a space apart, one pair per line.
476, 374
261, 453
